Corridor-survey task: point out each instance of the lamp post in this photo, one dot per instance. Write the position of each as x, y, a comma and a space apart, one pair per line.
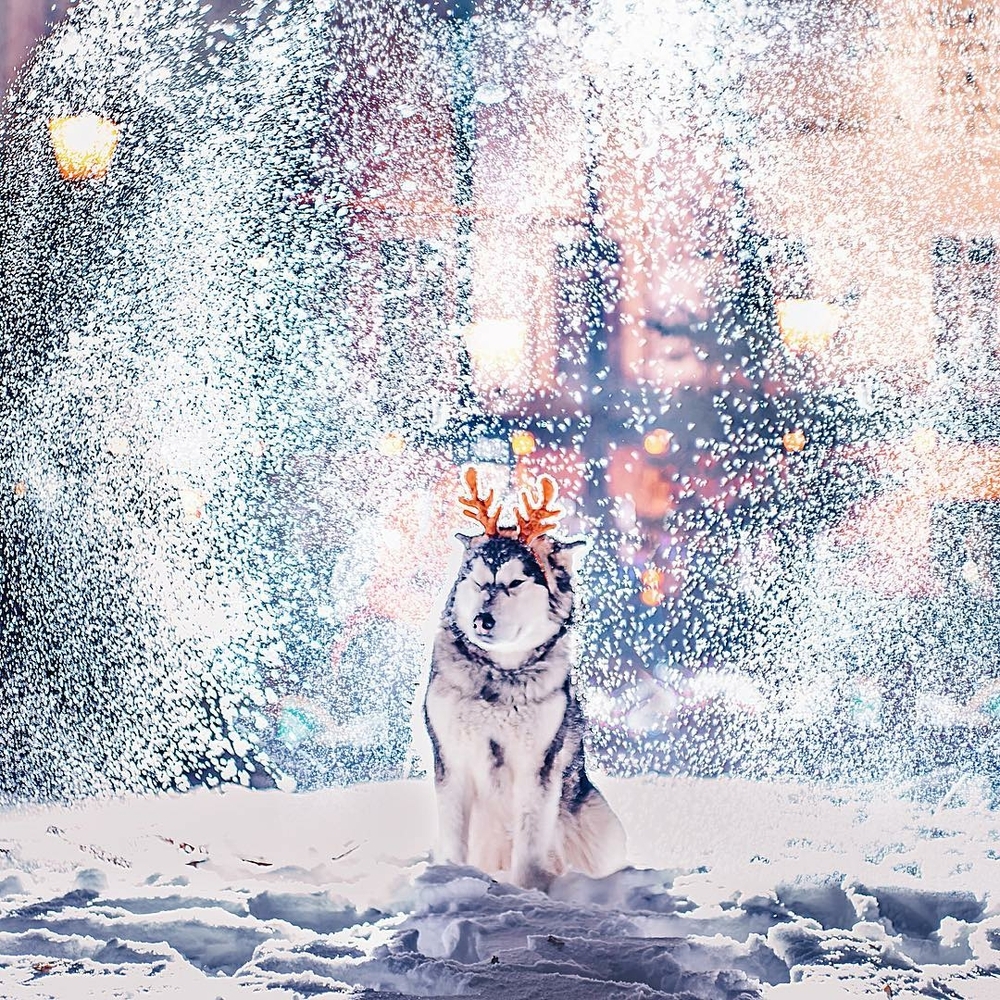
464, 130
84, 145
592, 258
807, 325
484, 350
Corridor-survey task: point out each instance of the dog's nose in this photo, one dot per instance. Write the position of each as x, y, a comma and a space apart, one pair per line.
484, 622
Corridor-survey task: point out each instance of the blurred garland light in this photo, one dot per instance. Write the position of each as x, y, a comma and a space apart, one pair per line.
793, 440
193, 502
392, 444
924, 440
652, 587
84, 145
657, 441
808, 325
522, 443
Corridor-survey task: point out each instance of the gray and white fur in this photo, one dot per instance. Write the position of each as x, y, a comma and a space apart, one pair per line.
505, 725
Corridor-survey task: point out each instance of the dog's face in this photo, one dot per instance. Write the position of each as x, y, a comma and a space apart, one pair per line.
510, 599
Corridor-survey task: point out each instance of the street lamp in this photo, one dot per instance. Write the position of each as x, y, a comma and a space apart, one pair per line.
84, 145
807, 325
496, 350
460, 15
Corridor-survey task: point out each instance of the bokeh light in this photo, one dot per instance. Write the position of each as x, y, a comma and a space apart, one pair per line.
807, 325
84, 145
794, 440
391, 444
522, 443
657, 441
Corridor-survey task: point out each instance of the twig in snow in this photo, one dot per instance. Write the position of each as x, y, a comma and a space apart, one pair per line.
350, 850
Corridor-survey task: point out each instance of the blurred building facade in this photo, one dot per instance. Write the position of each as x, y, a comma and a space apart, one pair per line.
877, 161
749, 324
737, 314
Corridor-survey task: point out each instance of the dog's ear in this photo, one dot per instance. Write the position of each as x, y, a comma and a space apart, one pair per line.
566, 553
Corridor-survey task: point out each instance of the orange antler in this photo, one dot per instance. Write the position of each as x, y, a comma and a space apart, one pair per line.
533, 524
476, 507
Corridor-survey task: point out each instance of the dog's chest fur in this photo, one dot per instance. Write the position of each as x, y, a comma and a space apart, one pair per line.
492, 724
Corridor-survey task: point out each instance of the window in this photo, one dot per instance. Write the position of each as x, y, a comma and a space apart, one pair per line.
966, 64
965, 308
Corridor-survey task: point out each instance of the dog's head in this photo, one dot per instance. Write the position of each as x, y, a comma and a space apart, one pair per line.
511, 598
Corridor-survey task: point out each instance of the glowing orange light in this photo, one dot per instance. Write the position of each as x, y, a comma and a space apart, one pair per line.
657, 441
652, 586
392, 444
20, 490
522, 443
807, 325
793, 440
84, 145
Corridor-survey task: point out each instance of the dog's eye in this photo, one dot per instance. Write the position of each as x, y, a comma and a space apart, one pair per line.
515, 583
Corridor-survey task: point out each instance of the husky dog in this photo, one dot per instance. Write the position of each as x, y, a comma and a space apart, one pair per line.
504, 722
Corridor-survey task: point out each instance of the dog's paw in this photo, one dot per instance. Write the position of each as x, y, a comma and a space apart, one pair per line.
532, 877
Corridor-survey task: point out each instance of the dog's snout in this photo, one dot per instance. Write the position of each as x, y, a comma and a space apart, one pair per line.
484, 622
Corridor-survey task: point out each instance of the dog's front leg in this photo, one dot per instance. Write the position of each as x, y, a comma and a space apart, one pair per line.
536, 817
454, 796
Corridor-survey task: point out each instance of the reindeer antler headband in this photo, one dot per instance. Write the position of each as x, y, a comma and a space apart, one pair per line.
538, 517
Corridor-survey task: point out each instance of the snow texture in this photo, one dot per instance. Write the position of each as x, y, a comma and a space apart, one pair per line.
737, 891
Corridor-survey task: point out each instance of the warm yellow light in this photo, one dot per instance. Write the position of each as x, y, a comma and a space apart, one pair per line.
20, 490
522, 443
496, 349
924, 440
193, 502
657, 441
793, 440
392, 444
807, 325
650, 597
84, 145
652, 586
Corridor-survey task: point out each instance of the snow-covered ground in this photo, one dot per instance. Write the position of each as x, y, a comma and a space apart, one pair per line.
738, 890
